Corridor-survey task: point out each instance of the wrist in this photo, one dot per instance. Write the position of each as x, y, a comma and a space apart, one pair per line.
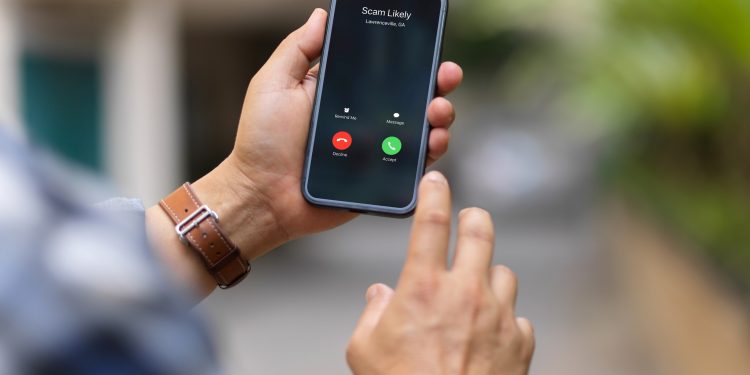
186, 267
245, 213
245, 218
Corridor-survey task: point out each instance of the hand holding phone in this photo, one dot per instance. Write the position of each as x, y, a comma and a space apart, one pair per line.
266, 163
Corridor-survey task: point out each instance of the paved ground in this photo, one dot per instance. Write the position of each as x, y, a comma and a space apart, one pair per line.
692, 320
294, 314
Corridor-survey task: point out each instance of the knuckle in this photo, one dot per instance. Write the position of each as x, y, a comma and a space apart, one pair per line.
356, 348
435, 217
478, 233
290, 40
424, 290
528, 337
475, 294
352, 351
291, 37
286, 41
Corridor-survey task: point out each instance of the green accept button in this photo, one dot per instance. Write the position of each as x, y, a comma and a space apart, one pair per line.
391, 146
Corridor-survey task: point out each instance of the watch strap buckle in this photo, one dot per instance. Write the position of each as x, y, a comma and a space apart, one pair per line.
194, 220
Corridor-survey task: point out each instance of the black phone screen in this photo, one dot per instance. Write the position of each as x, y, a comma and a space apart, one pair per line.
376, 82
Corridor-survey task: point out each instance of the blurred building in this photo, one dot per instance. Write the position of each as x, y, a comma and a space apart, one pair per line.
146, 92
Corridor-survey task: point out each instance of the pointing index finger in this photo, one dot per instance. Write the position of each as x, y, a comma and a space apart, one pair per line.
430, 235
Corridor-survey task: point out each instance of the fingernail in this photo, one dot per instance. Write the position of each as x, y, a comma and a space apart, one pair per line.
372, 292
436, 176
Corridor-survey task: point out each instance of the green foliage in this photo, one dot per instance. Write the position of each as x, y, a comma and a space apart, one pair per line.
680, 63
679, 71
666, 82
705, 211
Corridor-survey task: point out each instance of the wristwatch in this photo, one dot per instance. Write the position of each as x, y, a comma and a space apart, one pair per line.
197, 226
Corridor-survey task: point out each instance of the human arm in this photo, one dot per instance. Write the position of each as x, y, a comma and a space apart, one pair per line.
256, 189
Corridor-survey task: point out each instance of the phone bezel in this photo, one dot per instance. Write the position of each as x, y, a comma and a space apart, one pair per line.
407, 210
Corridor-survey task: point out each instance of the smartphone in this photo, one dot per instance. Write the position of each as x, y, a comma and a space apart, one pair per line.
368, 134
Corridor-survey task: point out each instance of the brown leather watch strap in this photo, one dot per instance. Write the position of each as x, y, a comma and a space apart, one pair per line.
197, 226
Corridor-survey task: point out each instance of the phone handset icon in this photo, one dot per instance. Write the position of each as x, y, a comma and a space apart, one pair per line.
391, 146
342, 140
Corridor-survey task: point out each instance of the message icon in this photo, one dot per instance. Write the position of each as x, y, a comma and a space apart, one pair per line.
396, 115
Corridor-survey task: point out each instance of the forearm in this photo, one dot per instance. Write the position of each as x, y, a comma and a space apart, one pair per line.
244, 216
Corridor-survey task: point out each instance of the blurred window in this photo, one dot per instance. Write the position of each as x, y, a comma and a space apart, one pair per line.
62, 107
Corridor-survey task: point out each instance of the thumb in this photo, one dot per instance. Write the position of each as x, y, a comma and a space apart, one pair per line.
378, 298
292, 58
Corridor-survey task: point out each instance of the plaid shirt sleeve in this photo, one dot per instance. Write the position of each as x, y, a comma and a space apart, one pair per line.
80, 290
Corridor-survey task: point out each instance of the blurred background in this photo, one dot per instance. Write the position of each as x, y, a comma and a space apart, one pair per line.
610, 139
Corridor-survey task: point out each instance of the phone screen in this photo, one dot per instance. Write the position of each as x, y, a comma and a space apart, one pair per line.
376, 81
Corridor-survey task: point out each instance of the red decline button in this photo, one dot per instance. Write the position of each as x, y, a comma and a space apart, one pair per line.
342, 140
